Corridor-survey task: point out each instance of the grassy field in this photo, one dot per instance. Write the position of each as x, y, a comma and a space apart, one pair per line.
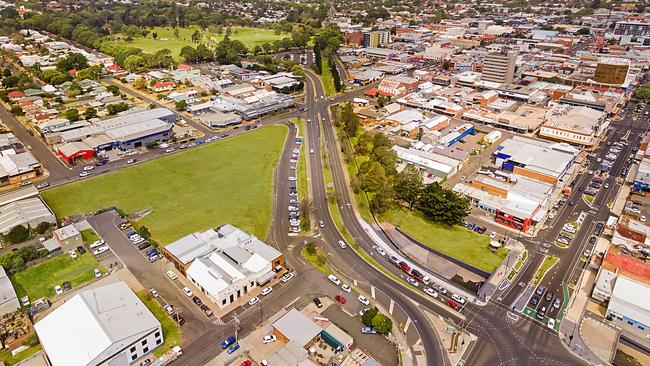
251, 37
171, 333
89, 236
455, 241
327, 78
548, 263
39, 281
229, 181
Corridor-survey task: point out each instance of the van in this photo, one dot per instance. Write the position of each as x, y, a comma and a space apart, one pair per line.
96, 244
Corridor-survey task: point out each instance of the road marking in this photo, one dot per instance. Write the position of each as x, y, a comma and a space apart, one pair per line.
372, 291
390, 308
407, 325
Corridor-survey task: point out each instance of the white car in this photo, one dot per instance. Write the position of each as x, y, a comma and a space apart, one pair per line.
293, 178
58, 290
97, 273
429, 291
311, 151
459, 299
170, 150
187, 292
269, 339
380, 251
551, 324
267, 290
642, 218
362, 299
286, 277
254, 301
342, 244
169, 309
346, 288
493, 235
172, 276
84, 174
334, 280
363, 311
100, 250
73, 254
88, 168
154, 292
130, 161
412, 281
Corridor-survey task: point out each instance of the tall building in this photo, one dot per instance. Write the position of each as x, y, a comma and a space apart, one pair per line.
499, 66
636, 29
612, 70
376, 38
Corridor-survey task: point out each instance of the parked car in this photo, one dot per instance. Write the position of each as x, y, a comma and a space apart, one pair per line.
154, 292
534, 300
286, 278
187, 292
362, 299
318, 303
100, 250
368, 330
67, 286
233, 348
334, 280
267, 290
197, 301
459, 299
269, 339
254, 301
169, 309
97, 273
58, 290
206, 310
81, 249
346, 288
172, 276
453, 304
73, 254
227, 342
412, 281
340, 299
42, 185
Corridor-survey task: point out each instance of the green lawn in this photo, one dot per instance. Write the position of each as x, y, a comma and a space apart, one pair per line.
547, 264
318, 260
327, 78
229, 181
89, 236
171, 333
303, 187
39, 281
251, 37
455, 241
9, 360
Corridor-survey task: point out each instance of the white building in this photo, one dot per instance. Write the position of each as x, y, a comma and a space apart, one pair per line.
629, 307
575, 125
107, 325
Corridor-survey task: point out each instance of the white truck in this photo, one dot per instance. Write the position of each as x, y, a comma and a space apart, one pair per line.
168, 357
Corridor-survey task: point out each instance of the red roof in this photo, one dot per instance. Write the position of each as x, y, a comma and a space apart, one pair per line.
114, 67
72, 72
372, 92
163, 84
16, 94
184, 67
626, 265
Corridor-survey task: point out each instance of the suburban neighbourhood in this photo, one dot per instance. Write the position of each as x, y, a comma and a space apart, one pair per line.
324, 183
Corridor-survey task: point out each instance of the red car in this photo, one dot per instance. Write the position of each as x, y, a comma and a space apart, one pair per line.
453, 304
247, 363
340, 299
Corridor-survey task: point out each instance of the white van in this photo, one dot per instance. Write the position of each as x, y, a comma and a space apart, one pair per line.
96, 244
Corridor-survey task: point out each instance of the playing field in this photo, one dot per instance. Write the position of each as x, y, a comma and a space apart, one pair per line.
228, 181
167, 38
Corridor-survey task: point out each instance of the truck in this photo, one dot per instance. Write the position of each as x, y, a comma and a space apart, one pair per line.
404, 266
419, 276
168, 357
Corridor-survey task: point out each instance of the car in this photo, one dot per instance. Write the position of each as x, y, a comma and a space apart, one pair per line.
342, 244
540, 290
317, 302
346, 288
67, 286
380, 251
269, 339
493, 235
368, 330
81, 249
321, 223
642, 218
266, 290
88, 168
557, 303
73, 254
453, 304
340, 299
130, 161
334, 280
534, 300
144, 245
170, 150
592, 240
206, 310
586, 253
562, 240
292, 179
362, 299
459, 299
286, 277
246, 363
197, 301
311, 151
541, 313
548, 296
187, 292
100, 250
153, 292
393, 259
429, 291
572, 203
551, 324
42, 185
97, 244
97, 273
254, 301
412, 281
58, 290
606, 185
233, 348
154, 257
172, 276
169, 309
228, 342
84, 174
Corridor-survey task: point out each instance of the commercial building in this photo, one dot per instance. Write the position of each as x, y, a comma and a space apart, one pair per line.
499, 66
8, 299
612, 70
296, 327
251, 103
225, 263
431, 164
575, 125
629, 307
23, 207
107, 325
375, 38
632, 28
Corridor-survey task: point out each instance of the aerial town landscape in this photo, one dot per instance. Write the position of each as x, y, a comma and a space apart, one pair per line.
344, 183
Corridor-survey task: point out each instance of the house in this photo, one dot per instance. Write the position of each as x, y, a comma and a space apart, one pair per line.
163, 86
113, 69
107, 325
8, 299
68, 237
15, 95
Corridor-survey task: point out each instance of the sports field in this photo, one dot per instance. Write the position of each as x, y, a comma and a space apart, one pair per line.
167, 38
228, 181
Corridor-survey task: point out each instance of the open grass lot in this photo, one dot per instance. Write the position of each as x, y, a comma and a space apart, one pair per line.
228, 181
171, 333
455, 241
89, 236
251, 37
39, 281
327, 78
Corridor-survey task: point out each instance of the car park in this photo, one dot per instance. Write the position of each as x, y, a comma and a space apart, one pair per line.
254, 300
266, 290
334, 280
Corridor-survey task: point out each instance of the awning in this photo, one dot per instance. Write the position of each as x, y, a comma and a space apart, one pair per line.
268, 276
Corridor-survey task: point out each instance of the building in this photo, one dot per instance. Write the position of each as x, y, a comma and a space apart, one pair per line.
8, 299
68, 237
499, 66
23, 207
429, 163
216, 119
296, 327
615, 265
226, 264
575, 125
629, 307
376, 38
632, 28
107, 325
612, 70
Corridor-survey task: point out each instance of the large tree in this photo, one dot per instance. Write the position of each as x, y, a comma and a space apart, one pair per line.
408, 185
443, 205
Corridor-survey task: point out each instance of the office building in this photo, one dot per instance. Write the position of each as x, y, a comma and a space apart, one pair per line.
631, 28
612, 70
499, 66
376, 38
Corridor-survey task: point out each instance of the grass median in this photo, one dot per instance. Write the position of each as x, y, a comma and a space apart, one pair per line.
171, 332
547, 264
228, 181
315, 256
327, 77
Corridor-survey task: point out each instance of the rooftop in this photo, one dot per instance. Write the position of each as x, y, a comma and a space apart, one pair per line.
297, 327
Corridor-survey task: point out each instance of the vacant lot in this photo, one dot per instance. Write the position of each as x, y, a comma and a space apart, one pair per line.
39, 281
171, 333
455, 241
167, 38
228, 181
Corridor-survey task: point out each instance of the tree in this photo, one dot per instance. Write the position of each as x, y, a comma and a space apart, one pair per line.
381, 101
17, 234
10, 81
367, 317
144, 232
72, 114
113, 89
188, 53
90, 113
267, 47
374, 175
181, 105
310, 248
349, 119
133, 63
442, 205
116, 108
154, 35
74, 61
17, 111
583, 31
383, 198
43, 227
408, 185
382, 324
257, 50
140, 84
196, 36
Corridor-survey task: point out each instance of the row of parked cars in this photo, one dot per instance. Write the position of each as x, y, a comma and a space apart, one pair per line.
294, 210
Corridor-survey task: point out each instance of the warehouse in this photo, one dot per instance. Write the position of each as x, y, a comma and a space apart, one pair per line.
629, 306
23, 207
429, 163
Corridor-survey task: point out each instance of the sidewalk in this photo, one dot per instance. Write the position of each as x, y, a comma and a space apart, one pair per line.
498, 279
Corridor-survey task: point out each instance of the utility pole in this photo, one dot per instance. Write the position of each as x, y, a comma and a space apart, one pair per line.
236, 327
